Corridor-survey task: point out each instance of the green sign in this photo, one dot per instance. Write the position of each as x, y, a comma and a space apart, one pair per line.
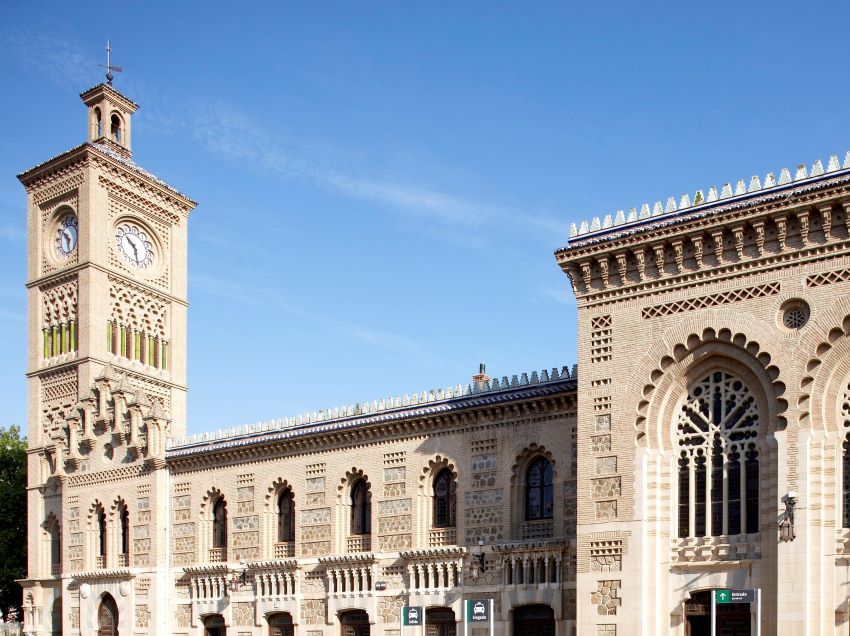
722, 597
478, 610
412, 615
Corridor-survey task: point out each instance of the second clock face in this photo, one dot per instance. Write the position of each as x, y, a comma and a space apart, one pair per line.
66, 239
133, 245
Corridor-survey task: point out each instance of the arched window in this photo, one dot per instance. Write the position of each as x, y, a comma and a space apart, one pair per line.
538, 490
444, 500
101, 535
845, 490
115, 128
220, 523
98, 122
285, 516
717, 429
124, 516
54, 535
360, 513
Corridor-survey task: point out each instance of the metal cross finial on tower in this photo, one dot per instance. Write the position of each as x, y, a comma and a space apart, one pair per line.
109, 68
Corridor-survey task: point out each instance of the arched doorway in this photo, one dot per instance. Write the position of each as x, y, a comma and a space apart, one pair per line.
733, 619
214, 625
281, 624
56, 616
107, 617
354, 623
440, 621
534, 620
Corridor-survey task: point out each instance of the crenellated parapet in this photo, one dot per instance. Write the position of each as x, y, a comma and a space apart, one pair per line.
389, 405
755, 231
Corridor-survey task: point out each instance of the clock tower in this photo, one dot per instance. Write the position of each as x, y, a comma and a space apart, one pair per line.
107, 294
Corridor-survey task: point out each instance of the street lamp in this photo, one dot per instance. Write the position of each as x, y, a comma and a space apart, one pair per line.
478, 562
786, 526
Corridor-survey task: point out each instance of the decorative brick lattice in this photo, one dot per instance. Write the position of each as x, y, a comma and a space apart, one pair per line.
143, 616
606, 465
313, 612
828, 278
484, 446
316, 470
606, 487
242, 613
606, 597
601, 339
394, 459
606, 510
602, 403
182, 613
600, 443
711, 300
389, 609
606, 556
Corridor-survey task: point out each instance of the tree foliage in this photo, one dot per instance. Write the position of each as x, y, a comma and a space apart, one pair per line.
13, 518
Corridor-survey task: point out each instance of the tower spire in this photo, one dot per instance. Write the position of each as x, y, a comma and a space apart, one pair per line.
109, 68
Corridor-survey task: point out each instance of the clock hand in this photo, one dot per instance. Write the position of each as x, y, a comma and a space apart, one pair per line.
135, 251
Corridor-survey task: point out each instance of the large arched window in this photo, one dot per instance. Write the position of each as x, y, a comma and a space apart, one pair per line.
717, 430
538, 490
220, 524
444, 500
124, 546
100, 516
361, 522
285, 516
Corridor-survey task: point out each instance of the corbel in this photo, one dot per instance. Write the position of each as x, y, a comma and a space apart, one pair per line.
585, 273
846, 206
603, 271
658, 249
717, 236
696, 239
621, 266
678, 254
640, 257
826, 221
758, 227
738, 233
803, 217
781, 231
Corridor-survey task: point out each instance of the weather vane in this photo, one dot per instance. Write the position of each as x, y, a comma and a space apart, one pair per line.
109, 68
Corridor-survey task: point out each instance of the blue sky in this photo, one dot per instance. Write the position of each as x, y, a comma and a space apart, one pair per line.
381, 185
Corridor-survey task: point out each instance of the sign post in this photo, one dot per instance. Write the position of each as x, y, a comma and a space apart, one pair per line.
478, 612
724, 597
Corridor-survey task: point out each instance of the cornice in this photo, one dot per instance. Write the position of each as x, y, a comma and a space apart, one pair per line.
709, 276
123, 574
467, 413
110, 273
532, 546
348, 559
657, 227
48, 169
274, 564
433, 553
106, 476
116, 364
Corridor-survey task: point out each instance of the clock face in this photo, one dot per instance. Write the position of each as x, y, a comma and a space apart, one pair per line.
66, 235
133, 245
